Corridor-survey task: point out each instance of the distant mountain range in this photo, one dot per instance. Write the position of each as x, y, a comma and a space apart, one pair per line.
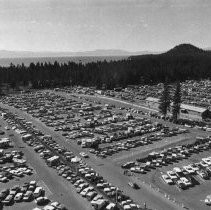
208, 48
30, 54
27, 57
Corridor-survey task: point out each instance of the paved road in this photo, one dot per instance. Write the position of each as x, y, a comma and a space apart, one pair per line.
119, 101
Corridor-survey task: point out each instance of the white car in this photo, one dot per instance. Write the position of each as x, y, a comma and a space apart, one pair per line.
86, 190
167, 179
38, 192
186, 181
194, 167
206, 161
189, 169
208, 129
177, 171
172, 175
203, 164
208, 200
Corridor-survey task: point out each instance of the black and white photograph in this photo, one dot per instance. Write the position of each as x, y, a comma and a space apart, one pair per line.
105, 104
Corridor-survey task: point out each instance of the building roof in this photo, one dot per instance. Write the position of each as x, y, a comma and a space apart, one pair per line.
183, 106
193, 108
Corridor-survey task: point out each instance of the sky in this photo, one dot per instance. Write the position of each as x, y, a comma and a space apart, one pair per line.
84, 25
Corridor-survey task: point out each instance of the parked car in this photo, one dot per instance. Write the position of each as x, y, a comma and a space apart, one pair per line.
167, 179
18, 197
42, 200
133, 185
28, 196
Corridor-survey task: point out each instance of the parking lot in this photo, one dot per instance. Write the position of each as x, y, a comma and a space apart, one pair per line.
55, 190
108, 190
184, 178
83, 141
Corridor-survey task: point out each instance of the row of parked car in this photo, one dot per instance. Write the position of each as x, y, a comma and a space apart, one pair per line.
105, 151
91, 181
168, 156
8, 173
188, 123
28, 192
185, 177
78, 120
16, 166
192, 94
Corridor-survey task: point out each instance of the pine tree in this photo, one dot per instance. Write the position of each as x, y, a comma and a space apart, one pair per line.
0, 89
176, 102
165, 100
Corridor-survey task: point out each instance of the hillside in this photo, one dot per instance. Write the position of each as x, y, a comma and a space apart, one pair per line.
179, 50
184, 49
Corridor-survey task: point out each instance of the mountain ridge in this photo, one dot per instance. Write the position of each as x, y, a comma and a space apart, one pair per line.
181, 50
98, 52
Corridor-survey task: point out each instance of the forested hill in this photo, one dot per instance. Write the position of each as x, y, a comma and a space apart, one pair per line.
185, 49
179, 50
180, 63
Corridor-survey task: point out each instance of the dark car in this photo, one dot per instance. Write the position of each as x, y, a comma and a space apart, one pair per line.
134, 185
8, 200
42, 201
2, 132
3, 194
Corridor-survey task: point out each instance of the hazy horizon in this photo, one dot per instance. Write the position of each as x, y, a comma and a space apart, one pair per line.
87, 25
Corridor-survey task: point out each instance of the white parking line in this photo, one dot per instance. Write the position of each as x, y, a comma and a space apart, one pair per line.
178, 188
200, 178
162, 180
47, 190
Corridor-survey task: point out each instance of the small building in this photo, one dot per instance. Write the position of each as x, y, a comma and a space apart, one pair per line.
186, 111
193, 112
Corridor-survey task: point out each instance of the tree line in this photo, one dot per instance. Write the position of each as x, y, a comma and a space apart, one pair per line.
148, 69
